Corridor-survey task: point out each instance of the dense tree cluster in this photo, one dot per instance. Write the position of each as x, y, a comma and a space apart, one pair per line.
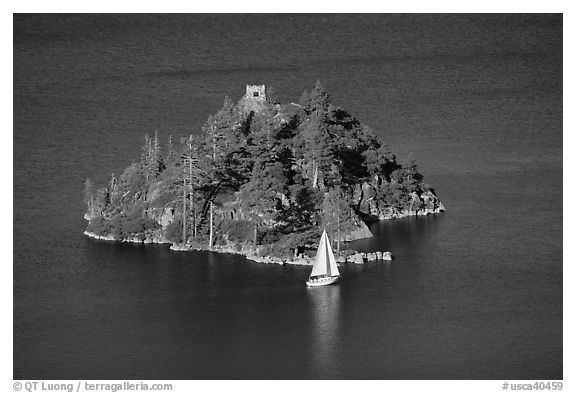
268, 177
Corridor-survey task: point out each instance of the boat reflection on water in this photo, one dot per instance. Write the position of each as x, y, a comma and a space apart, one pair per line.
326, 309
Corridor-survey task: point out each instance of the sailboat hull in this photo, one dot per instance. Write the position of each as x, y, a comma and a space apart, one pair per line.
322, 281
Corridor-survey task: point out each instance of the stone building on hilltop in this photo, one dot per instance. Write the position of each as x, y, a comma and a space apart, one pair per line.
256, 92
254, 99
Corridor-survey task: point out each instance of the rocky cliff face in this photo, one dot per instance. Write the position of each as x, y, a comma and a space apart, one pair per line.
371, 204
354, 228
163, 216
357, 230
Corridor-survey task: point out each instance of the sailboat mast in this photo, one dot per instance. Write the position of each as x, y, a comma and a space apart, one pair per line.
328, 272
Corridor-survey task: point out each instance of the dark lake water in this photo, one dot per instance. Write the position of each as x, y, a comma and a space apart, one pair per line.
475, 293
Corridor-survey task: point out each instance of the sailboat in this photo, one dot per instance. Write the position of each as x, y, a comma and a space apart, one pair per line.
324, 271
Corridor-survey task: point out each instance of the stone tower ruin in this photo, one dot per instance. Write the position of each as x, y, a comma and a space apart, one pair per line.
256, 92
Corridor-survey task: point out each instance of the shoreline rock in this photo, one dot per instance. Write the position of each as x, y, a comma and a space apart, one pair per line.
372, 208
301, 260
111, 238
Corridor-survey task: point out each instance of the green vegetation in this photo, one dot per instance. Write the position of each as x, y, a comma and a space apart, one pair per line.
269, 179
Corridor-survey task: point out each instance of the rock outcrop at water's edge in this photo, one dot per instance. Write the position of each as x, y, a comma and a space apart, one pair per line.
372, 206
150, 239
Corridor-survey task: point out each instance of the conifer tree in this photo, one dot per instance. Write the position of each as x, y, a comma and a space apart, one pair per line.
89, 197
184, 211
148, 159
318, 148
317, 101
336, 213
157, 158
151, 158
195, 175
170, 154
211, 239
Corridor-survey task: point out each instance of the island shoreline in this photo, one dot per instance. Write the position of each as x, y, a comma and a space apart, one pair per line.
300, 261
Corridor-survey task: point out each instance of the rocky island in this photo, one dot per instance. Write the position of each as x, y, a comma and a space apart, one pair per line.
261, 179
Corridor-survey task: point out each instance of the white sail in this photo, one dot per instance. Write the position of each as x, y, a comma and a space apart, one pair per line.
325, 263
332, 267
320, 267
